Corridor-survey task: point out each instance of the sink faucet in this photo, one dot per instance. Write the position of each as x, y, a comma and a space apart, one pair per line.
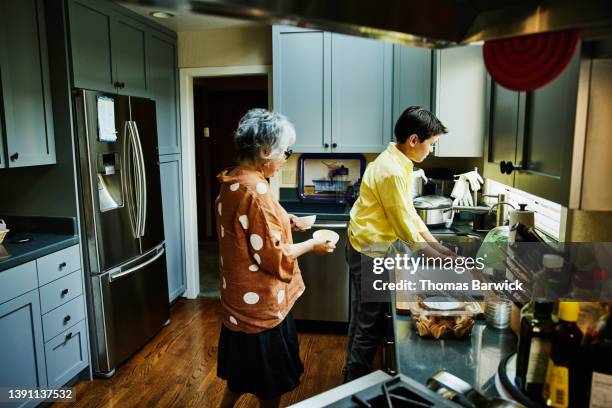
500, 216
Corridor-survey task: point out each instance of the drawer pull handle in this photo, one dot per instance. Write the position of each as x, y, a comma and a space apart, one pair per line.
67, 319
62, 265
68, 336
64, 292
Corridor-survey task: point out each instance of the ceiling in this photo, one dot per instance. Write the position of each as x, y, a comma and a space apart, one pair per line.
187, 20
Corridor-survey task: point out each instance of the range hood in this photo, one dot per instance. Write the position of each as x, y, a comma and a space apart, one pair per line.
425, 23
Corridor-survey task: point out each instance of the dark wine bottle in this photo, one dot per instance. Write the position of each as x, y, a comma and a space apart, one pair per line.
534, 348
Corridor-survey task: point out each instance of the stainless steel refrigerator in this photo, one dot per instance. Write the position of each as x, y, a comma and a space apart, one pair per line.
121, 223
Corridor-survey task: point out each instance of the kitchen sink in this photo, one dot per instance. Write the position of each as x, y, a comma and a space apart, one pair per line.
467, 244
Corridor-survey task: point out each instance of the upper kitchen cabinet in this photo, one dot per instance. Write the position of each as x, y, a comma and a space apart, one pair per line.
302, 84
459, 100
411, 79
128, 44
361, 97
25, 97
163, 88
531, 138
335, 89
109, 48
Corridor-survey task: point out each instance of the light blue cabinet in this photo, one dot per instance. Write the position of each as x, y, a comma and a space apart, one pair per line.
170, 172
21, 344
411, 79
361, 95
302, 84
336, 89
43, 325
460, 100
163, 87
24, 85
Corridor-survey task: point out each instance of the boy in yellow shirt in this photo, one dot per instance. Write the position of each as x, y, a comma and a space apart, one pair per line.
383, 214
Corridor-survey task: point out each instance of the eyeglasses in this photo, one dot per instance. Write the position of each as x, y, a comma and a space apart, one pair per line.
288, 154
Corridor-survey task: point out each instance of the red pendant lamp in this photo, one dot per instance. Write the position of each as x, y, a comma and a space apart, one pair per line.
528, 62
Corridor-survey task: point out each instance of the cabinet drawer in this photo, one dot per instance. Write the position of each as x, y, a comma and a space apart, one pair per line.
58, 264
66, 355
60, 291
62, 318
17, 281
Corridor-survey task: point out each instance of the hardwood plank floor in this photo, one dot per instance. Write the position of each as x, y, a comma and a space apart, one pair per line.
178, 368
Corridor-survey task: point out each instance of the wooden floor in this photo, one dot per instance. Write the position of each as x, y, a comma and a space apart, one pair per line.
178, 367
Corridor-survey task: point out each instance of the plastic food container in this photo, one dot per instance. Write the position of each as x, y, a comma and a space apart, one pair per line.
439, 317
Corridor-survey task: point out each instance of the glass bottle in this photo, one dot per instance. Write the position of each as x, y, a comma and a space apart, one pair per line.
598, 373
534, 348
562, 375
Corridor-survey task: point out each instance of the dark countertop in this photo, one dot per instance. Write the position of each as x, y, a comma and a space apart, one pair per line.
42, 244
475, 359
48, 235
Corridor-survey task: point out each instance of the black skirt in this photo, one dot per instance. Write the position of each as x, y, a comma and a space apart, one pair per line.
266, 364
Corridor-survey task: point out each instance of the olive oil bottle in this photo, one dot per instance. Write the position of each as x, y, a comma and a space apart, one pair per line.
562, 373
534, 348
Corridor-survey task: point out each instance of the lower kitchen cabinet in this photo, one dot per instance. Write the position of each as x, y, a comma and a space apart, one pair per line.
43, 325
21, 344
172, 201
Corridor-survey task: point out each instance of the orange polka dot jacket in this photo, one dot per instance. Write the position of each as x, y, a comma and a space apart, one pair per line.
260, 280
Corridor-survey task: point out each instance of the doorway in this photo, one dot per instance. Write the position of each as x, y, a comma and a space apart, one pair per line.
218, 105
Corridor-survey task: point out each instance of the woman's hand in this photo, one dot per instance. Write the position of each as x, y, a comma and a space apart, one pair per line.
295, 223
322, 247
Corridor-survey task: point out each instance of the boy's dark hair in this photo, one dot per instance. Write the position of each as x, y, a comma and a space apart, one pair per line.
418, 121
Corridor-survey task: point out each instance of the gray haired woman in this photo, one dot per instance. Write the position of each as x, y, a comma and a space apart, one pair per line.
260, 277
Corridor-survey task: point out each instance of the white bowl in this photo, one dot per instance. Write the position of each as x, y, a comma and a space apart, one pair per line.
307, 222
327, 235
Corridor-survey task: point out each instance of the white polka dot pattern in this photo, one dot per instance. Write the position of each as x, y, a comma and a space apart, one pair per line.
261, 187
256, 242
250, 298
253, 268
257, 258
244, 221
232, 320
234, 186
280, 296
222, 232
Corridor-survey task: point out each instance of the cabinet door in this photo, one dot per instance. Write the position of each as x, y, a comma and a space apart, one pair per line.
90, 40
460, 100
411, 79
545, 151
128, 44
171, 182
2, 160
21, 344
164, 90
361, 94
26, 96
301, 61
506, 116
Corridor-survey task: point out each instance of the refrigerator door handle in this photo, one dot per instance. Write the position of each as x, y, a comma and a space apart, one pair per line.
128, 179
143, 173
136, 159
114, 276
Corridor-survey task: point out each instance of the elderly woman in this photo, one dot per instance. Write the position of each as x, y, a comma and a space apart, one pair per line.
260, 277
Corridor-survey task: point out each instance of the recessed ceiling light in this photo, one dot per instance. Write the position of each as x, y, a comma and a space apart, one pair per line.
161, 14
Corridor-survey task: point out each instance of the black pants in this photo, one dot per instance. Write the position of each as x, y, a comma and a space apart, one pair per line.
368, 324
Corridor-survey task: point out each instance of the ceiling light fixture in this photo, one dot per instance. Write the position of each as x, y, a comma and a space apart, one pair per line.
161, 14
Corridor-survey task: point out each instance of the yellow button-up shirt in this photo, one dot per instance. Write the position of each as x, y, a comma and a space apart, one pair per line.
384, 211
